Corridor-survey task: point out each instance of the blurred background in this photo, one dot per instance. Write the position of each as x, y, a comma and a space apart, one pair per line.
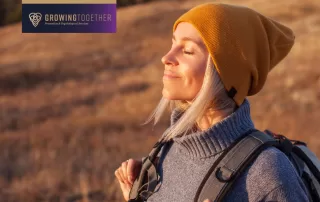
71, 105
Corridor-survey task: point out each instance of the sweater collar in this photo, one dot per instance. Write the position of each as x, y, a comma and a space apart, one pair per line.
204, 144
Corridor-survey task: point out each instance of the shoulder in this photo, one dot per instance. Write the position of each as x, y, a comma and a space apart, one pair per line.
271, 176
274, 164
273, 172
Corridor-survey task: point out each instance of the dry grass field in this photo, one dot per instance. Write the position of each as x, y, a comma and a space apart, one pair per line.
71, 105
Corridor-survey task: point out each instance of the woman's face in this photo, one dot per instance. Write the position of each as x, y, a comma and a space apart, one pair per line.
186, 62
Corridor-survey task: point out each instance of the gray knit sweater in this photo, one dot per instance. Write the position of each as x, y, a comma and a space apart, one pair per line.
184, 163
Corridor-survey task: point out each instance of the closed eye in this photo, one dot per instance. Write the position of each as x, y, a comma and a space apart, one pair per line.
187, 52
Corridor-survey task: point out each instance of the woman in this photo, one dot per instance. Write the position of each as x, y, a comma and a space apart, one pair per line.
220, 54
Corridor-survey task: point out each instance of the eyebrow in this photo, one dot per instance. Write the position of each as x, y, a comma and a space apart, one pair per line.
187, 39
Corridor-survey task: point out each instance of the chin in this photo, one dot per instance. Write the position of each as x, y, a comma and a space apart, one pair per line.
175, 96
169, 95
172, 96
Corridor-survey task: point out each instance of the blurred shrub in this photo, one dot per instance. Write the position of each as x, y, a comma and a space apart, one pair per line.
123, 3
10, 11
14, 15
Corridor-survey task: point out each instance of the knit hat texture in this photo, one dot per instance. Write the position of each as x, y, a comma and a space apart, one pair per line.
243, 44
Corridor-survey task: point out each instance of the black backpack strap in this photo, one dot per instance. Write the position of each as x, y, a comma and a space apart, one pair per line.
223, 173
309, 158
146, 182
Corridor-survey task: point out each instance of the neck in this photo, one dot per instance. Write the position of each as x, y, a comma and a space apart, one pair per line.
221, 135
212, 117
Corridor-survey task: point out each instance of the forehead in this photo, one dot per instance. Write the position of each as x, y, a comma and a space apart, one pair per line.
186, 30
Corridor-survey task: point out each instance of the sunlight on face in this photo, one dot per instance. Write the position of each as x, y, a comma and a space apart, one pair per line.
184, 64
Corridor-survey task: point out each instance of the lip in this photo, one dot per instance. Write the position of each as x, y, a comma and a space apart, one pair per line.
170, 76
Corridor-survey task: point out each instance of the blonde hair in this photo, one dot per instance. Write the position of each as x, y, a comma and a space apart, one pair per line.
211, 97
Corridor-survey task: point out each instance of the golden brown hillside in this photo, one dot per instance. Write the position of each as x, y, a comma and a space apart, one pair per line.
71, 104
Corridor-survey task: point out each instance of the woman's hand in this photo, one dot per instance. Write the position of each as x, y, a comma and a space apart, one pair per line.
126, 175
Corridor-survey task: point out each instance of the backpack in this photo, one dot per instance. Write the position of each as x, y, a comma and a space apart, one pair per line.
229, 166
223, 173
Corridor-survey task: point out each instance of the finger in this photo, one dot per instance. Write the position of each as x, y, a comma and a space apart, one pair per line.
118, 175
124, 171
122, 175
133, 169
207, 200
125, 188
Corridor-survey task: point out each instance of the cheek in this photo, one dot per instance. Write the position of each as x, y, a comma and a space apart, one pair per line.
188, 86
194, 75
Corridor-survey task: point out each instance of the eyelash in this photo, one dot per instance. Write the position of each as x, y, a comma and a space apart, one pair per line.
187, 52
184, 51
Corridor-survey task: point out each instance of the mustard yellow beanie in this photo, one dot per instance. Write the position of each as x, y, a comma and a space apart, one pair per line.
244, 45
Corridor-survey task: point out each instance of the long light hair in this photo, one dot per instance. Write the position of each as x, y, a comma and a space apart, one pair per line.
211, 97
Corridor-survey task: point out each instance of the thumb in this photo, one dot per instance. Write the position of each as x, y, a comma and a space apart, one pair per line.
207, 200
133, 169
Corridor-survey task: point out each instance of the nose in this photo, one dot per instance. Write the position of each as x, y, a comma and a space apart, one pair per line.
169, 59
